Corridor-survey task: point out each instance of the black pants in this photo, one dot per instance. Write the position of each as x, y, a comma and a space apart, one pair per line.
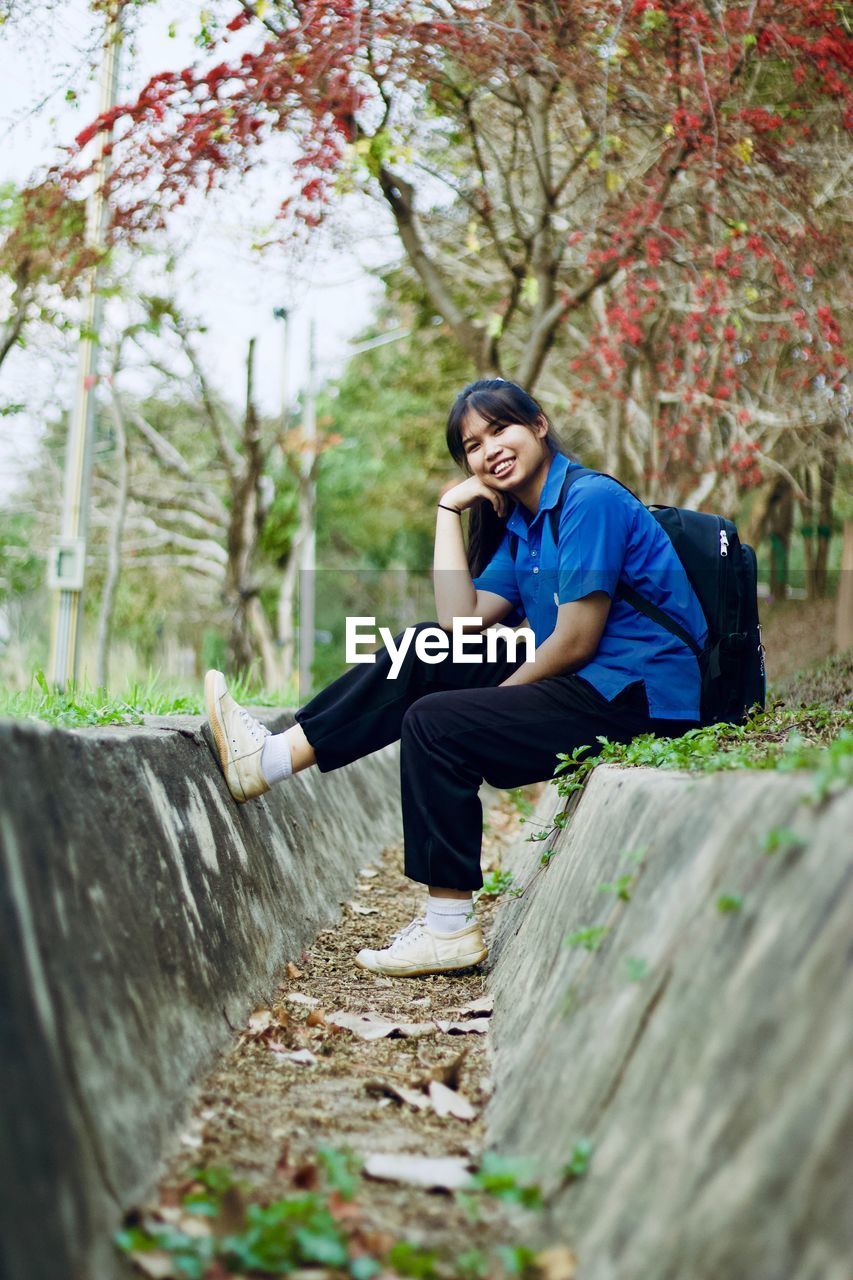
457, 728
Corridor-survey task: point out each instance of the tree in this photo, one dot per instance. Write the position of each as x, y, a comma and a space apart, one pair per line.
606, 110
42, 256
182, 489
376, 488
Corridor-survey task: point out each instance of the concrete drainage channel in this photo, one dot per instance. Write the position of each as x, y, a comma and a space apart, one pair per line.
141, 912
674, 990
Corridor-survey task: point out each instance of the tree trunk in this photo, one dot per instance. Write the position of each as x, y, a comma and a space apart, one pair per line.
111, 579
263, 642
826, 490
780, 526
241, 593
844, 606
286, 628
817, 530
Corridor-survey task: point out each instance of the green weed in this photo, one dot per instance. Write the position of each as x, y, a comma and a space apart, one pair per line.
495, 883
579, 1161
473, 1264
816, 738
636, 967
79, 706
522, 804
304, 1231
506, 1179
410, 1260
729, 903
782, 840
517, 1260
590, 939
621, 887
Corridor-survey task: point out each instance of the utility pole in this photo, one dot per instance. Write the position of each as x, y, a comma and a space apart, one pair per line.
308, 522
282, 313
67, 563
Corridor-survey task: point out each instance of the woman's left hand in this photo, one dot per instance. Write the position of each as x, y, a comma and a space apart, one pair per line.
467, 492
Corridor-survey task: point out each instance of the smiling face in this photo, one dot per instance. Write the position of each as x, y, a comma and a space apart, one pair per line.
507, 456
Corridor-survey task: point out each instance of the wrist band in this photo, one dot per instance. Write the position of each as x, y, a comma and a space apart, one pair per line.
455, 510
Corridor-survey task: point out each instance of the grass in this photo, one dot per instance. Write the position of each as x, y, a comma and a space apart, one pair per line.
817, 738
219, 1230
80, 706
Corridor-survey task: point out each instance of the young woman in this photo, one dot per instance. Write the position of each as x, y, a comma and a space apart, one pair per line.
599, 667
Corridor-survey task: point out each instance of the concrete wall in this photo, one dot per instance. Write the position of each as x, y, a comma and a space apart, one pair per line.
717, 1088
139, 909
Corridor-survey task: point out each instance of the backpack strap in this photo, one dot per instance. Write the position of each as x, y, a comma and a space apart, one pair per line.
573, 474
649, 610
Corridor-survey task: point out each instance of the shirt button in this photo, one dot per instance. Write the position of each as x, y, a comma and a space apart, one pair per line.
535, 570
533, 553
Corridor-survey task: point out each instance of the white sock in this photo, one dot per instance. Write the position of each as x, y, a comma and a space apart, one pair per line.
276, 763
447, 915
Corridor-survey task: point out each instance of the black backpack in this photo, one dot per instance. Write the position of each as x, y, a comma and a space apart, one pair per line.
724, 574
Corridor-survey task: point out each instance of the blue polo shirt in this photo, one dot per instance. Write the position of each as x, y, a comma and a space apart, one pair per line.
605, 536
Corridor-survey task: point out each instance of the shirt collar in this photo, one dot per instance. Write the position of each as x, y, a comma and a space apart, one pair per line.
519, 521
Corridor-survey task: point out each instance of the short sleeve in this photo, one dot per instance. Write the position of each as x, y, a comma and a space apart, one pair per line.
593, 539
499, 575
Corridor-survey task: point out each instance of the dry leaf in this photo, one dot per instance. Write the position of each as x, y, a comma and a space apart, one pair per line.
232, 1213
368, 872
316, 1018
384, 1088
302, 1057
441, 1173
448, 1073
365, 1240
371, 1026
484, 1006
362, 911
446, 1102
343, 1210
478, 1026
192, 1225
155, 1263
557, 1263
170, 1213
259, 1022
297, 997
292, 971
265, 1025
306, 1176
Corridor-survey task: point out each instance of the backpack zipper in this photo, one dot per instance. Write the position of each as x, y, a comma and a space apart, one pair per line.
722, 580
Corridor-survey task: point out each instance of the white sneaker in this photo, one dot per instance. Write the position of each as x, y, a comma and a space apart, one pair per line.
239, 740
418, 949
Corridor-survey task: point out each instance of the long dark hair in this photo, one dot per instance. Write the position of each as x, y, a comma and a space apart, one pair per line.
498, 402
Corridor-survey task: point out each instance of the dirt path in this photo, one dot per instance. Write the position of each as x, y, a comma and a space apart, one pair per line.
263, 1115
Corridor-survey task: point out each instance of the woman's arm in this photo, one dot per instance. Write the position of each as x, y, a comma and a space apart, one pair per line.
455, 593
573, 641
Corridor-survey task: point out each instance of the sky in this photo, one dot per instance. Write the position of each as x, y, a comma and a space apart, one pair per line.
221, 279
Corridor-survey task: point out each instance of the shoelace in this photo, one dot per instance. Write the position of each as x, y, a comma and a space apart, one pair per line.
402, 935
256, 729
